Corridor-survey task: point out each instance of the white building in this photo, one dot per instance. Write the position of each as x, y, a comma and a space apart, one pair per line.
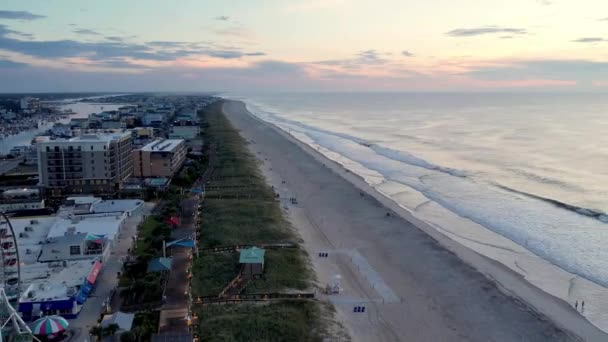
20, 199
90, 163
30, 103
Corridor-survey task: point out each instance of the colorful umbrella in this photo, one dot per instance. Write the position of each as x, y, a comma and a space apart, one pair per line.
49, 325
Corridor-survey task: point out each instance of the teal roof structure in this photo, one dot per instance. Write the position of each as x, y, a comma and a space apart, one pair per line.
160, 265
252, 255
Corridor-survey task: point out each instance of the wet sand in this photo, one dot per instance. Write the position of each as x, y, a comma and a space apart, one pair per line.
415, 283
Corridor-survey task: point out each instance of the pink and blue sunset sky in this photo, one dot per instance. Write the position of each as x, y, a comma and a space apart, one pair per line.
308, 45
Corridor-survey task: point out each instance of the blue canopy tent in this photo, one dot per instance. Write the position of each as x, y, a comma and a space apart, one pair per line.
188, 243
160, 265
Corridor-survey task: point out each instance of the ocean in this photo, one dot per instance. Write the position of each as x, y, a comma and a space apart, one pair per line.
521, 178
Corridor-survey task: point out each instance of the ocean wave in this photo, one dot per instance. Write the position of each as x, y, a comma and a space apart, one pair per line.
545, 180
408, 158
593, 213
395, 155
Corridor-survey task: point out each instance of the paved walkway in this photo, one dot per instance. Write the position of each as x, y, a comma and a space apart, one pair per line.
107, 280
174, 314
173, 317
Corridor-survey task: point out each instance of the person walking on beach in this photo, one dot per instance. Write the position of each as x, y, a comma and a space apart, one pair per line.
576, 305
583, 306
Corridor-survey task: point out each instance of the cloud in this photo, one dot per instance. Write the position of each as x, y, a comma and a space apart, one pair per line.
22, 15
114, 38
589, 40
312, 5
167, 44
370, 57
407, 53
121, 63
583, 72
5, 63
235, 31
114, 48
87, 32
363, 58
478, 31
222, 18
545, 2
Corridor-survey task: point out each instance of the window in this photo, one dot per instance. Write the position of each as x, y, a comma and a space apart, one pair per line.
91, 147
48, 149
74, 250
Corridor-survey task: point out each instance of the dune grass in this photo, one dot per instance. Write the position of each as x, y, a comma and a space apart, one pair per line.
282, 321
254, 217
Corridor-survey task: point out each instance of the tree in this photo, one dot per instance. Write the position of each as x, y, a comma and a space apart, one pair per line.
96, 331
127, 336
111, 329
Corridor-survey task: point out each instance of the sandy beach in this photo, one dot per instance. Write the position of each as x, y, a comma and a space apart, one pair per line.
415, 283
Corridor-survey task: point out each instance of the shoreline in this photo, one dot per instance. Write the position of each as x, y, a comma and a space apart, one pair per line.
538, 302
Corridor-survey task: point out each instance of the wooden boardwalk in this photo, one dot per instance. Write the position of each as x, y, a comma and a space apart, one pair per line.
174, 313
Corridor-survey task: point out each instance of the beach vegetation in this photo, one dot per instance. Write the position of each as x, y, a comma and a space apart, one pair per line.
240, 208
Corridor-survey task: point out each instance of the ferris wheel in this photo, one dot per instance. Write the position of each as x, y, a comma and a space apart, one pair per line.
11, 324
10, 267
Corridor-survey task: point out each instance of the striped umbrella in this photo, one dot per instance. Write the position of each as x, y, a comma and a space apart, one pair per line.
50, 325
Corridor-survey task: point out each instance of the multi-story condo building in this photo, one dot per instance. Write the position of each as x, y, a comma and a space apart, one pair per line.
94, 163
160, 158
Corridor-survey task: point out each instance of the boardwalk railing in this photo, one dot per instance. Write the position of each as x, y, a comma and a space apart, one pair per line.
257, 297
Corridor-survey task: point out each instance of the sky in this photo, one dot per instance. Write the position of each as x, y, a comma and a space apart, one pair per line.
303, 45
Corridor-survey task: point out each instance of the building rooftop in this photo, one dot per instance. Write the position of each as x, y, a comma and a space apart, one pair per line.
97, 224
60, 282
91, 138
30, 233
95, 205
162, 145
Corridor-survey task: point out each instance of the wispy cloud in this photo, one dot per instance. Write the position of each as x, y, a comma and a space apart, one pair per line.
545, 2
407, 53
235, 31
22, 15
115, 38
589, 40
484, 30
222, 18
312, 5
5, 63
573, 70
365, 58
87, 32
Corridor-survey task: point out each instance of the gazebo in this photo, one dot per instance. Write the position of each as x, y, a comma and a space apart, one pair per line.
252, 262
